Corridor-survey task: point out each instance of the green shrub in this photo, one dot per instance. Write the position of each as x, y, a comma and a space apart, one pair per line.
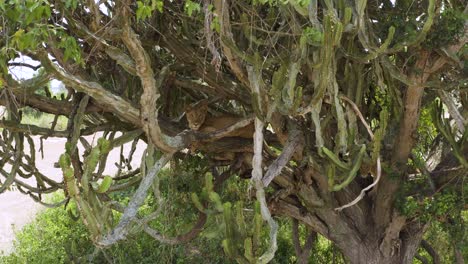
54, 237
50, 238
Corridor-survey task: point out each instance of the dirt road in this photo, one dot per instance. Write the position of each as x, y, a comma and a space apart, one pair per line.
16, 209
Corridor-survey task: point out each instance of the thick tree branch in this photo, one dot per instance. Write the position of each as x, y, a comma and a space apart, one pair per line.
431, 251
218, 134
22, 64
302, 253
31, 129
423, 259
121, 230
108, 100
257, 173
295, 139
148, 101
216, 61
403, 143
459, 259
222, 10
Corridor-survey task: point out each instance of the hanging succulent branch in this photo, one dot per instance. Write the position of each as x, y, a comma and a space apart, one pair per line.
422, 34
237, 234
378, 169
242, 242
10, 177
352, 172
222, 11
444, 127
77, 122
257, 171
216, 61
453, 110
96, 215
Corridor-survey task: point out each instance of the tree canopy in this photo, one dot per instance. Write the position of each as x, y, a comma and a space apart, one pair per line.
349, 117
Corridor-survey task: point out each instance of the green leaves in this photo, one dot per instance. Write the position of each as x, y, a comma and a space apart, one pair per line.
71, 4
441, 205
143, 11
26, 13
191, 7
29, 38
447, 29
29, 29
146, 8
312, 36
215, 24
104, 186
71, 49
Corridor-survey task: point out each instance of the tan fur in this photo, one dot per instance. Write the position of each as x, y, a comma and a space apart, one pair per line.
196, 114
199, 120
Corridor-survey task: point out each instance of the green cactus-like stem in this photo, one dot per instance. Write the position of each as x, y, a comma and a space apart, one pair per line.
95, 216
422, 34
315, 114
209, 182
258, 222
105, 184
383, 47
73, 190
352, 174
214, 197
230, 229
379, 135
248, 250
197, 203
347, 15
240, 220
338, 34
335, 159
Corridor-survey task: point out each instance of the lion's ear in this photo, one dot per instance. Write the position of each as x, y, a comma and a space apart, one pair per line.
203, 105
200, 106
188, 108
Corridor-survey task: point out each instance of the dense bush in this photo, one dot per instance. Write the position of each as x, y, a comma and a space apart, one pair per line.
54, 237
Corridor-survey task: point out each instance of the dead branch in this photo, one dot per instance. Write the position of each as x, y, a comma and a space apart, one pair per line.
121, 230
294, 140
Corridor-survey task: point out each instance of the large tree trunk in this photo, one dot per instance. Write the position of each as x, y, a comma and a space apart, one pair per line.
353, 230
458, 256
366, 245
400, 251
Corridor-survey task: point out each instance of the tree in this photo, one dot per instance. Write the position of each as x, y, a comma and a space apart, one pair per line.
359, 110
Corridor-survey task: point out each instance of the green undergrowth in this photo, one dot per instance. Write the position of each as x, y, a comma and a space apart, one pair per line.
54, 237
